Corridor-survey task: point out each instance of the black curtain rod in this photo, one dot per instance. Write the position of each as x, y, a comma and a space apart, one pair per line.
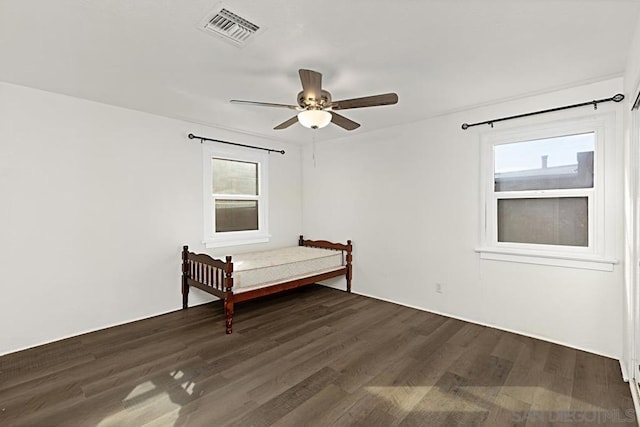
615, 98
202, 139
636, 103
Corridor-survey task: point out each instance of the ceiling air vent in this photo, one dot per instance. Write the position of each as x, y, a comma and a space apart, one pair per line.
230, 26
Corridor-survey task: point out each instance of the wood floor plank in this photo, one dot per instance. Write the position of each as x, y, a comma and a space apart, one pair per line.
552, 393
257, 370
311, 357
467, 334
526, 373
435, 407
212, 405
508, 347
307, 413
389, 394
329, 349
437, 337
398, 389
429, 323
561, 361
385, 353
282, 404
264, 362
46, 365
507, 411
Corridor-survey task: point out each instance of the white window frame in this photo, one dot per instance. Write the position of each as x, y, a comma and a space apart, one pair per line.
212, 239
596, 255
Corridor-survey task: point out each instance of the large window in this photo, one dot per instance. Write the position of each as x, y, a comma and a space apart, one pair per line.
235, 192
543, 189
543, 195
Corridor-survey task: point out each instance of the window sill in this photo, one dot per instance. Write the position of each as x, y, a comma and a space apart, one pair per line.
588, 262
222, 243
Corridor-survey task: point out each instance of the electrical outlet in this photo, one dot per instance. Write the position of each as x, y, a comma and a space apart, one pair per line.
439, 288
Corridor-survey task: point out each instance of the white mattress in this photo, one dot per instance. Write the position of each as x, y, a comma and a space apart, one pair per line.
254, 270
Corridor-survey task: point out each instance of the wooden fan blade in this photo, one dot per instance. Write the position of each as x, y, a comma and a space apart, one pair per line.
343, 122
286, 124
311, 84
265, 104
367, 101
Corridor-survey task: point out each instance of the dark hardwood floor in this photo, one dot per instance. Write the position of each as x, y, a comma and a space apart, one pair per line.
316, 357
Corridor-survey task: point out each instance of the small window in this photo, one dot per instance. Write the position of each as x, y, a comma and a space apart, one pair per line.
235, 192
235, 198
543, 194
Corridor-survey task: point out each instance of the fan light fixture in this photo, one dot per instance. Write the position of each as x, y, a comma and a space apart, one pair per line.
314, 119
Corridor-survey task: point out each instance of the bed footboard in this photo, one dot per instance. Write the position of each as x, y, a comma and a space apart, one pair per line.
211, 275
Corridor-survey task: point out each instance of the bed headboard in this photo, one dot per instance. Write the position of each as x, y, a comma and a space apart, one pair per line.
324, 244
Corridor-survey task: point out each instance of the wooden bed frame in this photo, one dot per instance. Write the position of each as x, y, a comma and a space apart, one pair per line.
215, 276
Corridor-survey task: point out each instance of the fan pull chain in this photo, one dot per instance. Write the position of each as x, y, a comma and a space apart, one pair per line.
313, 145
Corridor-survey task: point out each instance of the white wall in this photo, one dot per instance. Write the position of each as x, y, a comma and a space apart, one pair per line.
632, 70
409, 199
96, 203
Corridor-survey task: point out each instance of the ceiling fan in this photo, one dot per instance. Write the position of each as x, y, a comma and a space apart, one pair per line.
315, 107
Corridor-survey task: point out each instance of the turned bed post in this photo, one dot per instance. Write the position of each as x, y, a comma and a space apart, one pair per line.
349, 266
185, 276
301, 241
228, 299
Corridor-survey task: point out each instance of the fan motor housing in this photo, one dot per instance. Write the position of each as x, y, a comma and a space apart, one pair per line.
323, 102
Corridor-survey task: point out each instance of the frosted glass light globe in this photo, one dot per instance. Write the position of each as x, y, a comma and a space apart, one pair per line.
314, 119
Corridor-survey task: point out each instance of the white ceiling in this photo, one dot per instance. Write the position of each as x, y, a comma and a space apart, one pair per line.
438, 55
